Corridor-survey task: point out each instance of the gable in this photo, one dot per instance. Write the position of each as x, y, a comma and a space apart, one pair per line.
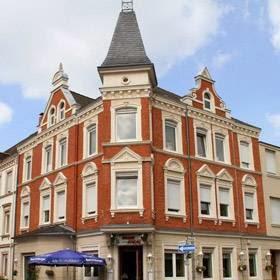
126, 155
60, 179
205, 171
45, 184
223, 175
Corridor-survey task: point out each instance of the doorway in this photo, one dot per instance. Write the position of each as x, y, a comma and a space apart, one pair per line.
274, 265
131, 263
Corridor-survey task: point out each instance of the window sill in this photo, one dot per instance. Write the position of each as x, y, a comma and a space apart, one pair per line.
128, 142
88, 218
252, 223
275, 225
5, 235
25, 229
60, 222
226, 220
207, 218
273, 175
121, 211
172, 152
45, 224
176, 216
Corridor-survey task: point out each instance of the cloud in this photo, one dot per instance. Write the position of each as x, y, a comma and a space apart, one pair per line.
36, 35
273, 13
274, 120
6, 113
221, 59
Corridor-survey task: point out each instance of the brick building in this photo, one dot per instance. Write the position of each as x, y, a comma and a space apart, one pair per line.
133, 173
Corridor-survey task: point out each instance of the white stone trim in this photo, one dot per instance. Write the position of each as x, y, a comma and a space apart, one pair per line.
49, 142
87, 124
26, 155
59, 137
25, 197
224, 132
60, 184
249, 141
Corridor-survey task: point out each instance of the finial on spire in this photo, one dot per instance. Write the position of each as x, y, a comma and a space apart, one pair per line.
127, 5
60, 78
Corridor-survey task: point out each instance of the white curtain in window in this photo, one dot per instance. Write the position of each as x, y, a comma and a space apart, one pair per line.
61, 205
173, 194
275, 210
249, 200
46, 203
25, 209
91, 198
224, 196
205, 193
270, 161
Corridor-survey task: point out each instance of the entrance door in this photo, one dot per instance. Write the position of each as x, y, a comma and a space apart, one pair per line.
131, 263
274, 263
30, 271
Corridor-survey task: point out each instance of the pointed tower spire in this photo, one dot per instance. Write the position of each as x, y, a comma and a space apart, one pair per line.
204, 74
60, 78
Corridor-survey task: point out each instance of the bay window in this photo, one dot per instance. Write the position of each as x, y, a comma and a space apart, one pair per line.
126, 127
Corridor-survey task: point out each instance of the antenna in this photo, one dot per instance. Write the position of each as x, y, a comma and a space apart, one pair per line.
127, 5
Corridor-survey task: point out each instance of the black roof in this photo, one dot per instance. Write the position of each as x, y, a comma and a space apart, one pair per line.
82, 100
127, 46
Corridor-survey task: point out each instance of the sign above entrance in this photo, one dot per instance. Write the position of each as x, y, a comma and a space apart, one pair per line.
186, 248
129, 240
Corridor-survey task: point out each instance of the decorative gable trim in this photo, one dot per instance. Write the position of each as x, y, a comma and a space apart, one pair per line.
249, 180
60, 179
174, 166
126, 155
205, 171
223, 175
46, 184
89, 169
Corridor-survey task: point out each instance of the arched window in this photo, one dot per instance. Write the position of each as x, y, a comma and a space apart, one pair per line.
61, 110
207, 101
52, 117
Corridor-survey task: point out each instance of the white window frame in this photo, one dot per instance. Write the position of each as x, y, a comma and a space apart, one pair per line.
123, 104
59, 138
211, 101
88, 124
60, 185
274, 172
9, 189
174, 170
89, 176
59, 110
2, 263
6, 212
230, 251
174, 252
224, 132
242, 138
50, 123
205, 176
271, 198
249, 185
48, 143
25, 198
25, 175
257, 258
127, 161
45, 189
211, 251
208, 141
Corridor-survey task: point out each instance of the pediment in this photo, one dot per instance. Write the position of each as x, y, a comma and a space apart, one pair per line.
205, 171
89, 169
25, 191
60, 179
174, 165
126, 155
249, 180
46, 184
223, 175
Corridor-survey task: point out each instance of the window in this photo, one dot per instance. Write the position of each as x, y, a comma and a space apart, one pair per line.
25, 214
275, 211
207, 101
9, 181
173, 196
126, 124
61, 111
249, 206
201, 136
220, 147
60, 205
51, 117
205, 199
91, 272
270, 161
6, 227
224, 196
46, 209
91, 199
91, 140
207, 263
227, 270
28, 162
252, 264
126, 189
4, 265
48, 158
245, 154
174, 267
170, 135
62, 153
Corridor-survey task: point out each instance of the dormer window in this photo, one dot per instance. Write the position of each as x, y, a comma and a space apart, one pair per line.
61, 111
207, 101
52, 116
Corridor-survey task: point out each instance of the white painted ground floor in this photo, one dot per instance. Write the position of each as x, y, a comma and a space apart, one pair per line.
146, 254
6, 257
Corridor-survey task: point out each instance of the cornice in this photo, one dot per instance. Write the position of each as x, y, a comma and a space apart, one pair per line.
8, 163
171, 106
90, 111
121, 93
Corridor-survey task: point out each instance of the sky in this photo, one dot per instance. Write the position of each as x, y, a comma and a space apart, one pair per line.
238, 40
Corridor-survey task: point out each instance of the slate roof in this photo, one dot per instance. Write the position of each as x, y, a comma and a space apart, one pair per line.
52, 230
127, 48
82, 100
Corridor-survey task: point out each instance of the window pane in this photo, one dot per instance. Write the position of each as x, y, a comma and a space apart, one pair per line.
62, 152
220, 153
205, 199
227, 265
9, 181
201, 142
173, 195
180, 266
170, 135
252, 264
126, 187
244, 154
224, 201
207, 263
92, 140
168, 265
126, 124
48, 158
270, 161
61, 205
249, 205
275, 210
90, 199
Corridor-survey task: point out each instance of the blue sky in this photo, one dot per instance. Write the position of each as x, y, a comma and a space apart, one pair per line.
239, 42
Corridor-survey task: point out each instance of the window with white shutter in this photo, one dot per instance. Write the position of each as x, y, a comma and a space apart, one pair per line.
61, 205
170, 135
91, 206
205, 199
46, 209
249, 206
173, 196
245, 154
275, 210
25, 214
224, 197
270, 161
